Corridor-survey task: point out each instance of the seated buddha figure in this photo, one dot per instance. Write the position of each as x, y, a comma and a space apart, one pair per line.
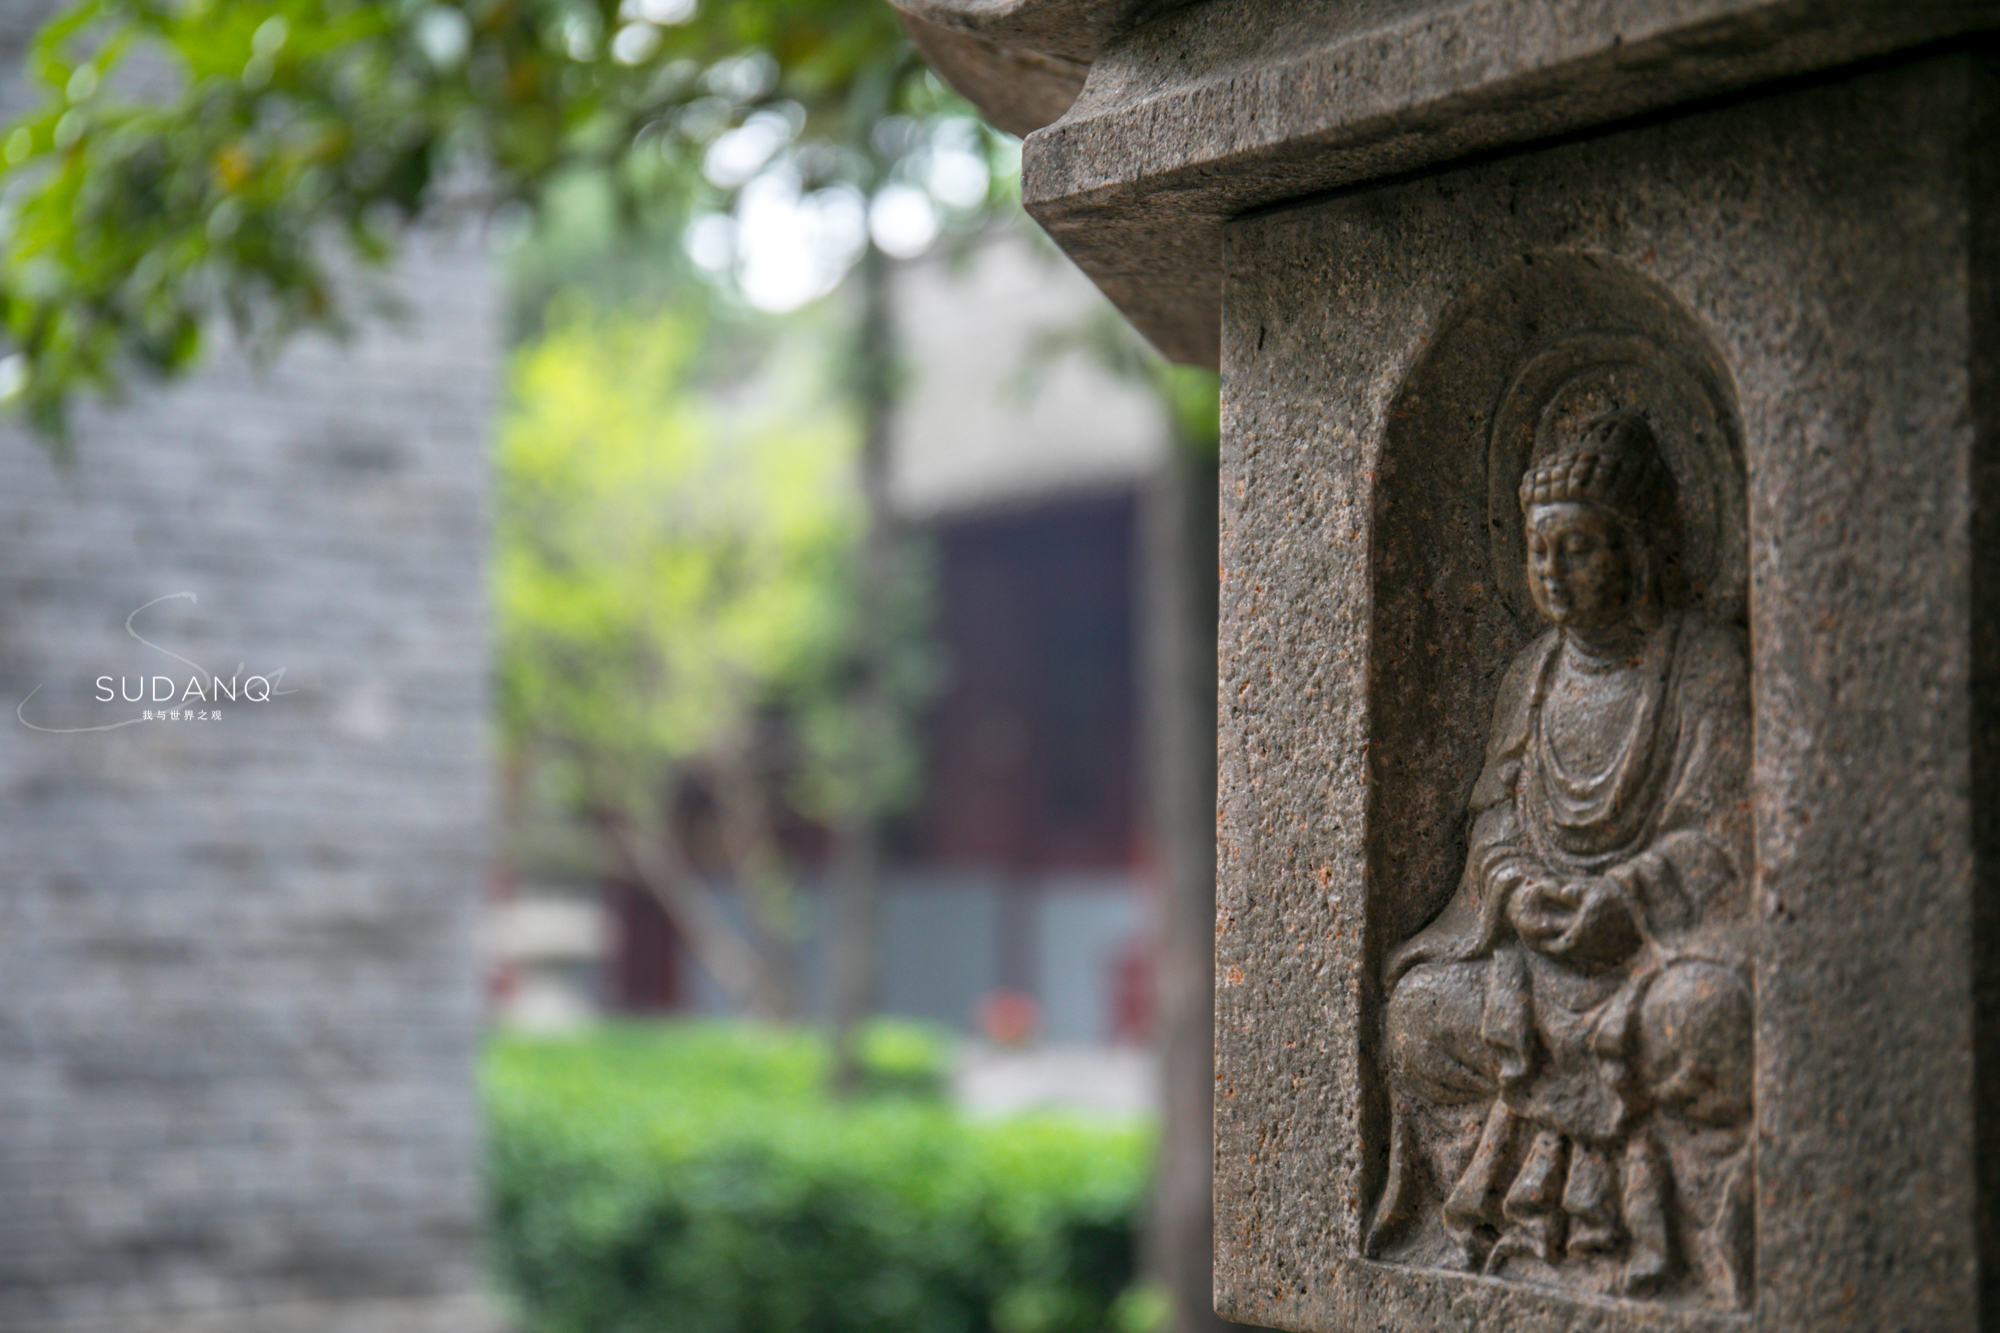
1568, 1043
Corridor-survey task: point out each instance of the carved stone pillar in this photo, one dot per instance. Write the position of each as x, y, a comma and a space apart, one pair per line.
1608, 932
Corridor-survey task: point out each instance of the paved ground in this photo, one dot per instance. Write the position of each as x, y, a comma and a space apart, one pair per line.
1106, 1080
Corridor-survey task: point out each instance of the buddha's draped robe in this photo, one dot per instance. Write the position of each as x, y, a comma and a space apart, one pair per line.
1651, 793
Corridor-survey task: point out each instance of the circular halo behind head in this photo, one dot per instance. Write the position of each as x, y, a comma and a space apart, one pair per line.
1560, 393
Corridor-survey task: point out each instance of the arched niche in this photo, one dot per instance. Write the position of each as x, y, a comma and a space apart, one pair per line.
1552, 340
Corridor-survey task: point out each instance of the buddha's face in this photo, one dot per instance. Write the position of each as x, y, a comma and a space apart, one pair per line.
1579, 565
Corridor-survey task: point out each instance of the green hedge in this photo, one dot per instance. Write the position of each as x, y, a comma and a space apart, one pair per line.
696, 1179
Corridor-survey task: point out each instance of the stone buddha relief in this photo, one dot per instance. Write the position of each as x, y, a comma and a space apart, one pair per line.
1567, 1044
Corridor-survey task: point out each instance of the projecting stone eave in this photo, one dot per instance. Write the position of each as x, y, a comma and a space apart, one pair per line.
1188, 116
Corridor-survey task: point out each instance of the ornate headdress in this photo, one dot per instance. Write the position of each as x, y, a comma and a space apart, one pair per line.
1615, 464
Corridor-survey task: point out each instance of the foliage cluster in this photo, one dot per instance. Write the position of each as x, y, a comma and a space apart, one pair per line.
700, 1179
665, 565
197, 157
676, 590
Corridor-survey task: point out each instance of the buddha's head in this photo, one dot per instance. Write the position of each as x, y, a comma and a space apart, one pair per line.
1598, 514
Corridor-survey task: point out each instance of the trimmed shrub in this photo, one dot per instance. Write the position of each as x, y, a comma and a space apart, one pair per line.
697, 1179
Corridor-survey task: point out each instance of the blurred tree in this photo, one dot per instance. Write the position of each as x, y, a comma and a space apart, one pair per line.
203, 158
666, 579
196, 157
1182, 589
1180, 616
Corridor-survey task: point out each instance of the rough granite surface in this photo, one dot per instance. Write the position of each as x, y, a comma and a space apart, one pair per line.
1836, 245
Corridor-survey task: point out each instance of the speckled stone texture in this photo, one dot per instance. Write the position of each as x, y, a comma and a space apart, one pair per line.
1834, 245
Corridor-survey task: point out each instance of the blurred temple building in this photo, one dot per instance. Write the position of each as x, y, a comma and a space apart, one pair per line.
1024, 459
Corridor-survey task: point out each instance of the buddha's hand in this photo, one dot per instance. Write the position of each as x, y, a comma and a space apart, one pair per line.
1540, 910
1582, 921
1598, 930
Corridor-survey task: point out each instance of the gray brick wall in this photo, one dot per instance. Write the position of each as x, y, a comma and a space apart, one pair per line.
238, 994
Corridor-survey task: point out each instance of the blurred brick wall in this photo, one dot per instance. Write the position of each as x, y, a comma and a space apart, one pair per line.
238, 992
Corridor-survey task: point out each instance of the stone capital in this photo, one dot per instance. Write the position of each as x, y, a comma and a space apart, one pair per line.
1149, 126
